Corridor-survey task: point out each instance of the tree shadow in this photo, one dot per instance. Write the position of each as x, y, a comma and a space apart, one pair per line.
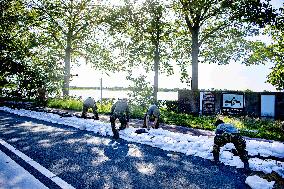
87, 160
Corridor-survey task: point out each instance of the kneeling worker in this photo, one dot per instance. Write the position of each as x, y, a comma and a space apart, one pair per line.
152, 112
119, 110
227, 133
90, 103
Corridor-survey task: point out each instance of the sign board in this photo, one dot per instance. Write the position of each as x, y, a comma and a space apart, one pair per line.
208, 103
268, 105
233, 103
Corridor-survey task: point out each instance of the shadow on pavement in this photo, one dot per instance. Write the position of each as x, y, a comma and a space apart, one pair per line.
87, 160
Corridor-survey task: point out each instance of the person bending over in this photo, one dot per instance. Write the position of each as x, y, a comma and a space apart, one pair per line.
153, 112
120, 111
90, 103
228, 133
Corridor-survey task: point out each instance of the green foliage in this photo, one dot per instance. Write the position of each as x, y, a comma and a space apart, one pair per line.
276, 77
275, 52
142, 31
138, 29
67, 103
259, 13
105, 106
258, 128
71, 29
137, 112
141, 91
169, 105
20, 75
203, 122
71, 103
217, 30
251, 127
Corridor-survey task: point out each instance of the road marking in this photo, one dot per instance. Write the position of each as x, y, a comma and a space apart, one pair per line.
38, 167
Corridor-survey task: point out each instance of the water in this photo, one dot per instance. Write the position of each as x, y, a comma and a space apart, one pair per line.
96, 94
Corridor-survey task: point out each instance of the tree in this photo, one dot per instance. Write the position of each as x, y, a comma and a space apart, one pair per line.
275, 52
272, 22
156, 32
217, 31
19, 77
277, 75
72, 29
146, 38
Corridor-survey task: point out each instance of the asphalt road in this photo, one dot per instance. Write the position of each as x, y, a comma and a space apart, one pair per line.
87, 160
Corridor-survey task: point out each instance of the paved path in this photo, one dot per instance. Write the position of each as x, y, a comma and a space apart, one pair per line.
13, 175
86, 160
105, 118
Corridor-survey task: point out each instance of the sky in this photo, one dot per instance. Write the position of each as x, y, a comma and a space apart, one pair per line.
233, 76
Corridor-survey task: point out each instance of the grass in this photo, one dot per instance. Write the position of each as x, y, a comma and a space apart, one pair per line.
263, 128
65, 103
251, 127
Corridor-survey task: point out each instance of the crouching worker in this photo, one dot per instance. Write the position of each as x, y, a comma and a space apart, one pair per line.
153, 112
227, 133
119, 110
90, 103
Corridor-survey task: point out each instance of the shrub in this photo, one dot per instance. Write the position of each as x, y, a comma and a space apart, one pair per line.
67, 103
105, 106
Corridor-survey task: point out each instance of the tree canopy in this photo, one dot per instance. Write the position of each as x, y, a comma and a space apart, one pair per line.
42, 39
275, 52
146, 41
20, 75
218, 30
73, 29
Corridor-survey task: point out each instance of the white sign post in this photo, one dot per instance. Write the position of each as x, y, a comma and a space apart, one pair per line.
268, 105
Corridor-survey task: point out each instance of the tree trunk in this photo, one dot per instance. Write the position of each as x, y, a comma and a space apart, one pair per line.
67, 67
156, 70
194, 61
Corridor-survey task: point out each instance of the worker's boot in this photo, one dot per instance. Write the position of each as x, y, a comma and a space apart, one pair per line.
114, 131
246, 166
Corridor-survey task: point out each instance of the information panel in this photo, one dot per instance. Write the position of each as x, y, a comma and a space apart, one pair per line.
208, 103
232, 103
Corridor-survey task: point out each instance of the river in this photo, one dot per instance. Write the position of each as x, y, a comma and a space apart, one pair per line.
117, 94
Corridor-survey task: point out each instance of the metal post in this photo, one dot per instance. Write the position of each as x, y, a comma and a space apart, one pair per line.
101, 92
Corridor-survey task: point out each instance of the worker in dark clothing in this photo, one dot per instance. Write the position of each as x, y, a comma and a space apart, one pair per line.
119, 110
90, 103
153, 112
228, 133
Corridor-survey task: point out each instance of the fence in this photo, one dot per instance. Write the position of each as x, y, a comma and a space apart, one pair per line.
257, 104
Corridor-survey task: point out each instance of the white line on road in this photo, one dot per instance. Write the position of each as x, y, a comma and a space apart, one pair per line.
38, 167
